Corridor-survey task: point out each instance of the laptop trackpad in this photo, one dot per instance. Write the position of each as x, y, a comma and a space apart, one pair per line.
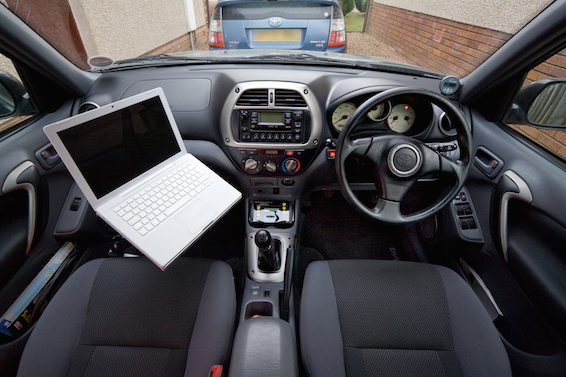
196, 216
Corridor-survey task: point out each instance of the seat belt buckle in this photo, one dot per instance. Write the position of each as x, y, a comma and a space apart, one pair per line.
216, 371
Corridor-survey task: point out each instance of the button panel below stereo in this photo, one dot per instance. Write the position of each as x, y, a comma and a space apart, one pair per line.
271, 161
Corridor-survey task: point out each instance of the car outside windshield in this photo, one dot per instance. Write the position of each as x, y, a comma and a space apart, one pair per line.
292, 25
438, 35
258, 11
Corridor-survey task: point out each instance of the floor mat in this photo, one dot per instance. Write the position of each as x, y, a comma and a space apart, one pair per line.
337, 231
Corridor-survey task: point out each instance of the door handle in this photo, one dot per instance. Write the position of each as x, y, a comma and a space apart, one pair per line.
510, 186
26, 177
487, 162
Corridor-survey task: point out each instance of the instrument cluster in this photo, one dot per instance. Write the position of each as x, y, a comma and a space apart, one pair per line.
409, 116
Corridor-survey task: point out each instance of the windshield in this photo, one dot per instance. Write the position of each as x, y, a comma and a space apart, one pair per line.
438, 36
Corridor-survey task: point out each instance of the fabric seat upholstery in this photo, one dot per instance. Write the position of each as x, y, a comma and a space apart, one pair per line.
125, 317
392, 318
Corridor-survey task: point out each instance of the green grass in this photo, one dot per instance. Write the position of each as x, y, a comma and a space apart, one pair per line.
355, 21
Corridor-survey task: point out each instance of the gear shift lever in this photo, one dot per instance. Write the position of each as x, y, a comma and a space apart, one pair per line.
263, 239
269, 256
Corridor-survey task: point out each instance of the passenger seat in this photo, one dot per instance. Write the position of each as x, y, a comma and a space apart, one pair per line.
126, 317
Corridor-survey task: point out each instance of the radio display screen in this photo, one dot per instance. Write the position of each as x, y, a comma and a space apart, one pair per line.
270, 117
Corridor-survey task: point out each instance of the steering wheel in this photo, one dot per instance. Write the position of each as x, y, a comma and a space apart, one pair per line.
398, 161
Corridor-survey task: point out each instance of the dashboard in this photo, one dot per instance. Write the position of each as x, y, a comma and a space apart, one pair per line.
273, 136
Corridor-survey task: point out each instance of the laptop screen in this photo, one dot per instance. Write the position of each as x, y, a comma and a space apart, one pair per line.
117, 147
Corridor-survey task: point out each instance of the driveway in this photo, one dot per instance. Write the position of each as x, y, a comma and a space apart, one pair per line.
365, 44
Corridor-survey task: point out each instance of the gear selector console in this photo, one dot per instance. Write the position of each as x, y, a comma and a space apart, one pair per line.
269, 251
269, 259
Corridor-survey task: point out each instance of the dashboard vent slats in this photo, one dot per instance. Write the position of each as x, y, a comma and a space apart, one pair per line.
254, 97
289, 98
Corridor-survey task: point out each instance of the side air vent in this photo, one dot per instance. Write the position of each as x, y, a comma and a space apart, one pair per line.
253, 97
446, 126
87, 106
289, 98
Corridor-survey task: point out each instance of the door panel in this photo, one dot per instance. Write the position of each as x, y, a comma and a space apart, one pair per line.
537, 260
523, 260
26, 178
13, 233
31, 199
509, 187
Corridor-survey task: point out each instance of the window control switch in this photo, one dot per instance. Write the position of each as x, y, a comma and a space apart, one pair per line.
465, 219
75, 205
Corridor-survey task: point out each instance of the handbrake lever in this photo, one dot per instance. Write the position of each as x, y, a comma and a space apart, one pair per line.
287, 284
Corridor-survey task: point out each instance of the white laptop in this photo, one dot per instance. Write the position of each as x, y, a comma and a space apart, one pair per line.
129, 160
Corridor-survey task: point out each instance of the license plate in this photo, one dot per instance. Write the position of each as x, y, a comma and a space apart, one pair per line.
276, 35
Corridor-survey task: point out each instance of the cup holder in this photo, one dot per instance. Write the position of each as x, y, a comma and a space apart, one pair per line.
259, 308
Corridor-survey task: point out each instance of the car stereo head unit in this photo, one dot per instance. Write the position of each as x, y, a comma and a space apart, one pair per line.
272, 125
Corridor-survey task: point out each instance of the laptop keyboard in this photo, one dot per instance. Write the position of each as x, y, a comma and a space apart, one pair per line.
151, 206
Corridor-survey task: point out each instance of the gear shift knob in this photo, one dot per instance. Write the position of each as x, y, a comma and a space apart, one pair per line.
269, 253
263, 239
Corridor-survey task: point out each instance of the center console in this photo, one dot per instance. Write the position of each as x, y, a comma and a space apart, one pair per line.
271, 132
266, 328
270, 241
264, 346
271, 128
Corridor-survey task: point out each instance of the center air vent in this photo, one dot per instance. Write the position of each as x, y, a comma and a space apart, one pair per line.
289, 98
253, 97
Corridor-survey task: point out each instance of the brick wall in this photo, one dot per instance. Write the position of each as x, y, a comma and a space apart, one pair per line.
553, 140
432, 42
446, 46
455, 48
553, 67
183, 43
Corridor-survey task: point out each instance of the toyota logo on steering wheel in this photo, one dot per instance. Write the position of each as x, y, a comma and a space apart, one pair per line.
404, 160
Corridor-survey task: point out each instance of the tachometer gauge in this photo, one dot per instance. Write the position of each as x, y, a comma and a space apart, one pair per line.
341, 114
401, 118
379, 112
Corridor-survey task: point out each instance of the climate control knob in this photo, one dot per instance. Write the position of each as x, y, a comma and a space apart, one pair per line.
291, 165
270, 166
250, 164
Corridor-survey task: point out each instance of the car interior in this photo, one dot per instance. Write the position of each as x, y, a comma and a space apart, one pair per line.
391, 223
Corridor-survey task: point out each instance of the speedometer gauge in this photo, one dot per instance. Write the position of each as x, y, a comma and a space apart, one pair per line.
401, 118
341, 114
379, 112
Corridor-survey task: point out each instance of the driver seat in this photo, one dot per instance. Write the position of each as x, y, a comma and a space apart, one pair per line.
393, 318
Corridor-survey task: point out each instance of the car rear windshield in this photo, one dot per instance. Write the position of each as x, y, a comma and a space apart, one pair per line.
289, 10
